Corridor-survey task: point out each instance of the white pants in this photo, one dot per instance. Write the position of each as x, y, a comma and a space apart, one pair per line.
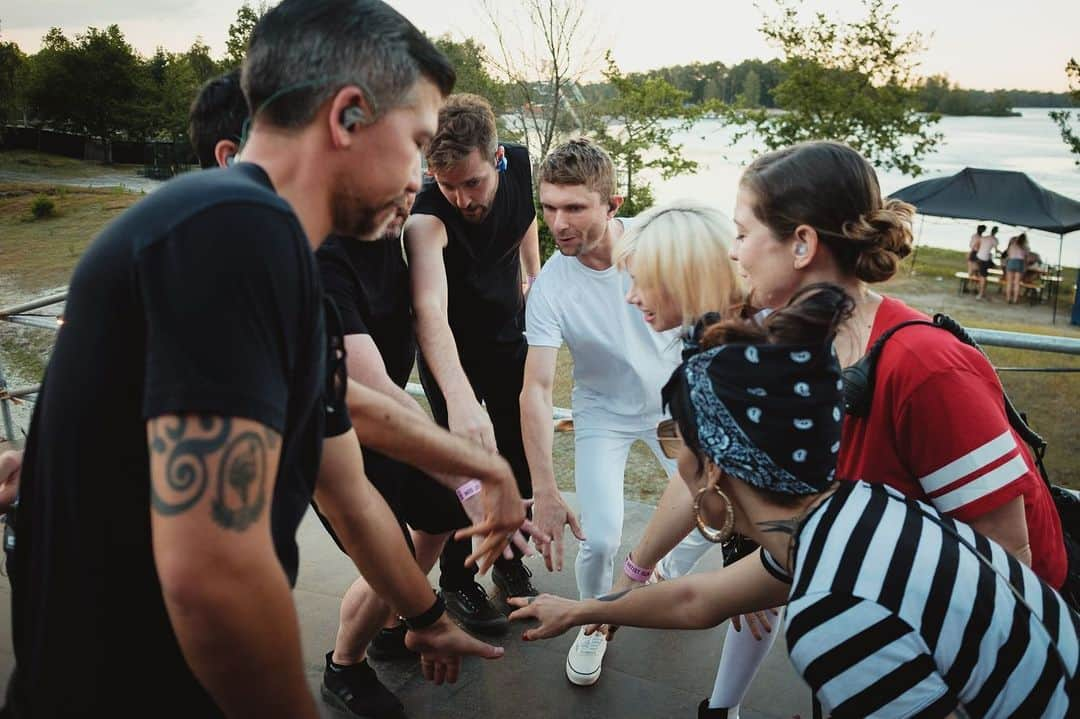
599, 469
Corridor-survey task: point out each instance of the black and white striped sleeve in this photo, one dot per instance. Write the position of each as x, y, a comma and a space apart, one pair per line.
861, 660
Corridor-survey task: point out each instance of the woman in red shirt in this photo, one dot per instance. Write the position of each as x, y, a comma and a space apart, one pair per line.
937, 428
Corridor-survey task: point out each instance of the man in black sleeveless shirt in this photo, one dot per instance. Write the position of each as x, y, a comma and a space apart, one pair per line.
471, 230
180, 427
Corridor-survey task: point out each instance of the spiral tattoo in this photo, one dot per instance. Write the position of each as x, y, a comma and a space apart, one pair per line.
239, 477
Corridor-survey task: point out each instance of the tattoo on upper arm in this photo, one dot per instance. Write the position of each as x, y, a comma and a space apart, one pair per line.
613, 596
783, 526
239, 478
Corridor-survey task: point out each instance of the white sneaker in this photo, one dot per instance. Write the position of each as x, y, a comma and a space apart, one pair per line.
583, 663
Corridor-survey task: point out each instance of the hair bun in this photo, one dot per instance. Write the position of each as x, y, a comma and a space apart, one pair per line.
884, 238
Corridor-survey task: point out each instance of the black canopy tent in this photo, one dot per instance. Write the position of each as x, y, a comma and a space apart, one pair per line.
1011, 198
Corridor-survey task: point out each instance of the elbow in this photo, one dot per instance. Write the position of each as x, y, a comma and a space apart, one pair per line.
697, 611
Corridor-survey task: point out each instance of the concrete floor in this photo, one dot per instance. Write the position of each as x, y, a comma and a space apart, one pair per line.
647, 673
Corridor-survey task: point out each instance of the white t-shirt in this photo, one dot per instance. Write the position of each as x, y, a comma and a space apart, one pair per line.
620, 363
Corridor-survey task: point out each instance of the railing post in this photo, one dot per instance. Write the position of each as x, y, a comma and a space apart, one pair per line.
5, 410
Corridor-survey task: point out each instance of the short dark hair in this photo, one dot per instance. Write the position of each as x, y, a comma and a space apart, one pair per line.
303, 51
466, 123
980, 229
218, 113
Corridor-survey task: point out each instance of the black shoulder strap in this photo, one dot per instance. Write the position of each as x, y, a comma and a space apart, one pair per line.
1016, 420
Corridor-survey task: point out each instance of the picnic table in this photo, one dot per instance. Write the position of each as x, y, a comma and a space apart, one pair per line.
1036, 292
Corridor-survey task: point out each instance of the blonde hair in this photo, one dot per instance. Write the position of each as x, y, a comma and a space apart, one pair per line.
682, 250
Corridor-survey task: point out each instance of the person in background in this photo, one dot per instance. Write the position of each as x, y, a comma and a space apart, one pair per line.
1015, 265
984, 255
973, 254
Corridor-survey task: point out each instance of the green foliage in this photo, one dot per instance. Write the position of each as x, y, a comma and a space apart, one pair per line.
240, 34
42, 207
1069, 136
13, 69
470, 62
89, 84
850, 82
936, 94
635, 125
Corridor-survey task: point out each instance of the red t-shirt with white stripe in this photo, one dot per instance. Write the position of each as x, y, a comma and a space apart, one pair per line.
937, 431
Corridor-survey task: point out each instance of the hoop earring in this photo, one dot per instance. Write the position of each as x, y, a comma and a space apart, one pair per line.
725, 532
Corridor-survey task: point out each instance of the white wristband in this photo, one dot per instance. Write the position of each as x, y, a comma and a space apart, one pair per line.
469, 489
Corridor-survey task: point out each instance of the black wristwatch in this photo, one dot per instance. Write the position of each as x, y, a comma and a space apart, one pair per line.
428, 618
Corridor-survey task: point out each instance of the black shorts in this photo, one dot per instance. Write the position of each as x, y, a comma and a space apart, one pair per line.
984, 267
417, 500
973, 256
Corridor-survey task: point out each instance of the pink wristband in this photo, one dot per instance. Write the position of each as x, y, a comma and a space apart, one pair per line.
469, 489
635, 572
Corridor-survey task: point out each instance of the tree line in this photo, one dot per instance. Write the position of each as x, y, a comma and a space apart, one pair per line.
852, 81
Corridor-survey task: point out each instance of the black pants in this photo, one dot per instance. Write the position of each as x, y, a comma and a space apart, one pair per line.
496, 373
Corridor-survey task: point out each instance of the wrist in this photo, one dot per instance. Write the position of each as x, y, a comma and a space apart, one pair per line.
468, 490
545, 489
636, 572
427, 618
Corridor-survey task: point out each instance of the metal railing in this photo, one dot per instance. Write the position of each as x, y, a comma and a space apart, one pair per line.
23, 314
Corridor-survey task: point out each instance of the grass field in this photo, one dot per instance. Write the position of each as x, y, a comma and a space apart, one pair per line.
58, 167
36, 256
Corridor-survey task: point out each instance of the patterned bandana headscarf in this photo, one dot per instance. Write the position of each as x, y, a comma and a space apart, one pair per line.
769, 415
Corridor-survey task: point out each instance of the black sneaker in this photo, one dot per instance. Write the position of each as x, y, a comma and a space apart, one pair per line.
473, 610
389, 645
356, 691
513, 579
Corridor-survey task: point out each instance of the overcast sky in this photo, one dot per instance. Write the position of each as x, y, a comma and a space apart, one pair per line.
981, 44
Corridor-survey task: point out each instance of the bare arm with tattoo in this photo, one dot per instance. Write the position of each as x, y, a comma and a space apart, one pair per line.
211, 486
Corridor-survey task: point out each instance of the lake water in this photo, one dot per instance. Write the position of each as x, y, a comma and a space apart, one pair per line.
1029, 143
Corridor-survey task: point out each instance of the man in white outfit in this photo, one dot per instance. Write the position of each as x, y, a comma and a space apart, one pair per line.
620, 364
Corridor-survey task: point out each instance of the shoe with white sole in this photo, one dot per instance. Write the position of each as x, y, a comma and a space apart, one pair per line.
586, 656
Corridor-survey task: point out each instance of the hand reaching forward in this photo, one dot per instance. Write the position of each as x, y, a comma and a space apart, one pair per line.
555, 614
550, 515
441, 647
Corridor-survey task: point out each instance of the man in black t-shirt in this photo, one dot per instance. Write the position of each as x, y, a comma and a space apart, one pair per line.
471, 229
369, 285
180, 427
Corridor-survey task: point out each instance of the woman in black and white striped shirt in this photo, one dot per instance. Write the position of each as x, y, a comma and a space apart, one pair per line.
893, 609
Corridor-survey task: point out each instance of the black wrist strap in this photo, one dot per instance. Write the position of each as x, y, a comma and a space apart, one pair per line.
425, 620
